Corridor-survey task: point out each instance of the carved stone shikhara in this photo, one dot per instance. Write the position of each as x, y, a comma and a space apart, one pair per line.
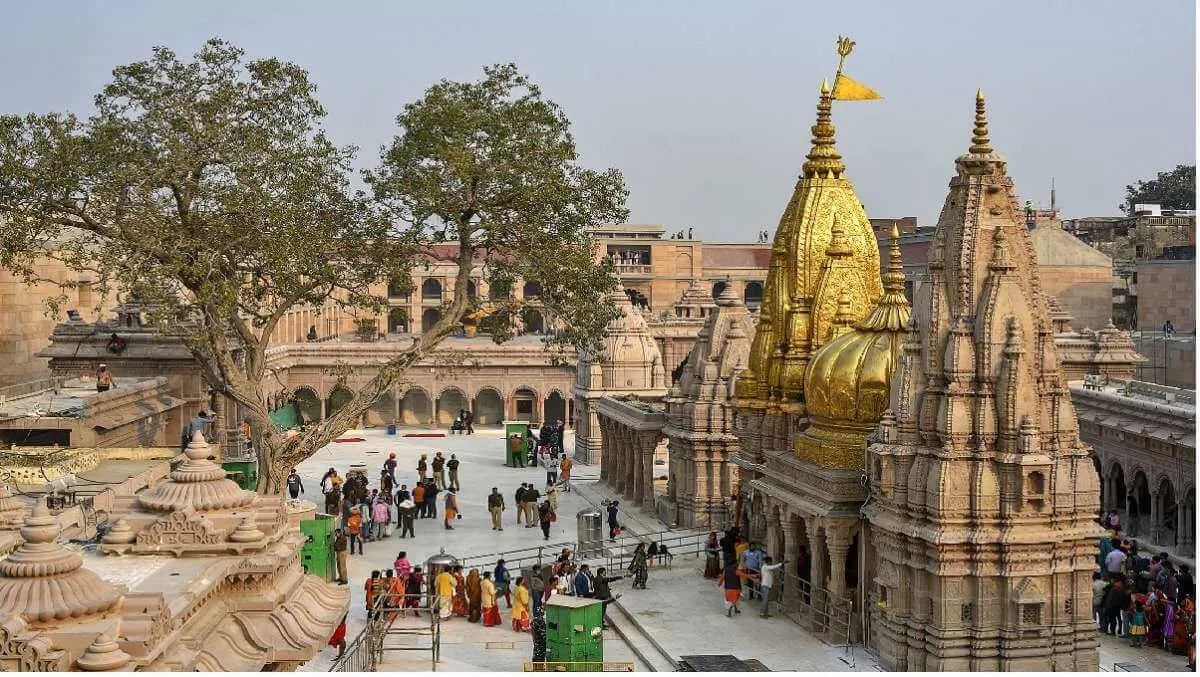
984, 500
700, 417
241, 602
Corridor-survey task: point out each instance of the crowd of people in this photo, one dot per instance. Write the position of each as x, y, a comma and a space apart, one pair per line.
1148, 600
742, 569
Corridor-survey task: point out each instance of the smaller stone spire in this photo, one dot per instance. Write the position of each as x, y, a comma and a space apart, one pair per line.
43, 581
824, 162
1000, 258
246, 532
980, 144
103, 655
197, 483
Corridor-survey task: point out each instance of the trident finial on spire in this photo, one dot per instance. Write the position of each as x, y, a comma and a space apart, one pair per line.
980, 144
844, 47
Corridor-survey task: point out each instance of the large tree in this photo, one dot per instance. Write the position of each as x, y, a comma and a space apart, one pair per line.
208, 189
1175, 189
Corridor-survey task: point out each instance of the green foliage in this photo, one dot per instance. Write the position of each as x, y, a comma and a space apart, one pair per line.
1175, 189
491, 165
208, 189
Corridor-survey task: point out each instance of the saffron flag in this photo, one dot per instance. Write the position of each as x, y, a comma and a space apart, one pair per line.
847, 89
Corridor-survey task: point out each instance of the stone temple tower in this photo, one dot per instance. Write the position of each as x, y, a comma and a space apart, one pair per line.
982, 497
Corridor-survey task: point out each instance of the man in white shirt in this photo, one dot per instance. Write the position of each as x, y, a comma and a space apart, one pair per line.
768, 573
1113, 562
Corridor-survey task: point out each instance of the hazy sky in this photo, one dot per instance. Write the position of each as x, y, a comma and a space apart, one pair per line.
704, 105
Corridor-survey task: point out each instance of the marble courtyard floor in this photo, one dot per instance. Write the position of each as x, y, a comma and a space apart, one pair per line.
679, 614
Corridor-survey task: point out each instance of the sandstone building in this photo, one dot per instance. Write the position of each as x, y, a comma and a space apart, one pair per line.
983, 498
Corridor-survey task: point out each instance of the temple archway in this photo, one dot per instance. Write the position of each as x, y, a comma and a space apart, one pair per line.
429, 318
718, 287
449, 402
753, 294
383, 410
532, 290
524, 404
416, 408
533, 321
308, 405
1168, 512
489, 407
431, 290
397, 321
1139, 505
1117, 489
337, 399
554, 408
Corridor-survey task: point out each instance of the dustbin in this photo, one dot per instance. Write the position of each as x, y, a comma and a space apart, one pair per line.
391, 428
589, 525
574, 632
434, 566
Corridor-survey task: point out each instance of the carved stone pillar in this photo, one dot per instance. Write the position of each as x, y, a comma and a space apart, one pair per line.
816, 550
771, 539
1155, 518
633, 464
605, 468
837, 540
791, 558
648, 444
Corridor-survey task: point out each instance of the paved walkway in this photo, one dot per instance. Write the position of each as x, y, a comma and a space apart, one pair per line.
680, 611
465, 646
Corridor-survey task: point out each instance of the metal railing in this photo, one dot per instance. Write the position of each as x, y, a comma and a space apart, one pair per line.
817, 609
618, 554
521, 557
366, 651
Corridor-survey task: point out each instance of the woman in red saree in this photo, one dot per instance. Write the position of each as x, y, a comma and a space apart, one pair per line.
459, 605
487, 598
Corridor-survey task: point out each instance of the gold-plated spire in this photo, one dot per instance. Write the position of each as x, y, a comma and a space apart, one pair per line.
980, 143
823, 160
893, 279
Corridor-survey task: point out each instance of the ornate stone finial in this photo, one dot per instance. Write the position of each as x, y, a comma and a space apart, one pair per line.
246, 532
823, 160
1000, 259
12, 509
197, 483
119, 533
980, 144
43, 581
103, 655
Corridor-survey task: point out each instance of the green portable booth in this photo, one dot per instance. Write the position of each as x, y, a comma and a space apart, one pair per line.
245, 473
574, 632
316, 555
518, 428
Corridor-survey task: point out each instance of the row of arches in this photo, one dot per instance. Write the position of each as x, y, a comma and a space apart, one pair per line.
752, 294
1154, 510
417, 408
534, 321
432, 289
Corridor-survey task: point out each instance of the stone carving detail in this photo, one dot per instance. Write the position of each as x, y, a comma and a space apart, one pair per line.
24, 651
182, 527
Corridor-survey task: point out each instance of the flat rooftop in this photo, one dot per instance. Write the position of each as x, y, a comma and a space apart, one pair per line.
49, 398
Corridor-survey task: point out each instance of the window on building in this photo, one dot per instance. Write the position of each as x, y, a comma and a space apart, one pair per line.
1031, 614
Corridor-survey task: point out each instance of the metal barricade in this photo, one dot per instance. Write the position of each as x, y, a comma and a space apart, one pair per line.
366, 651
817, 610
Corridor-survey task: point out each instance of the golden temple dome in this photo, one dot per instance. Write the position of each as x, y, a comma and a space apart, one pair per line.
848, 382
